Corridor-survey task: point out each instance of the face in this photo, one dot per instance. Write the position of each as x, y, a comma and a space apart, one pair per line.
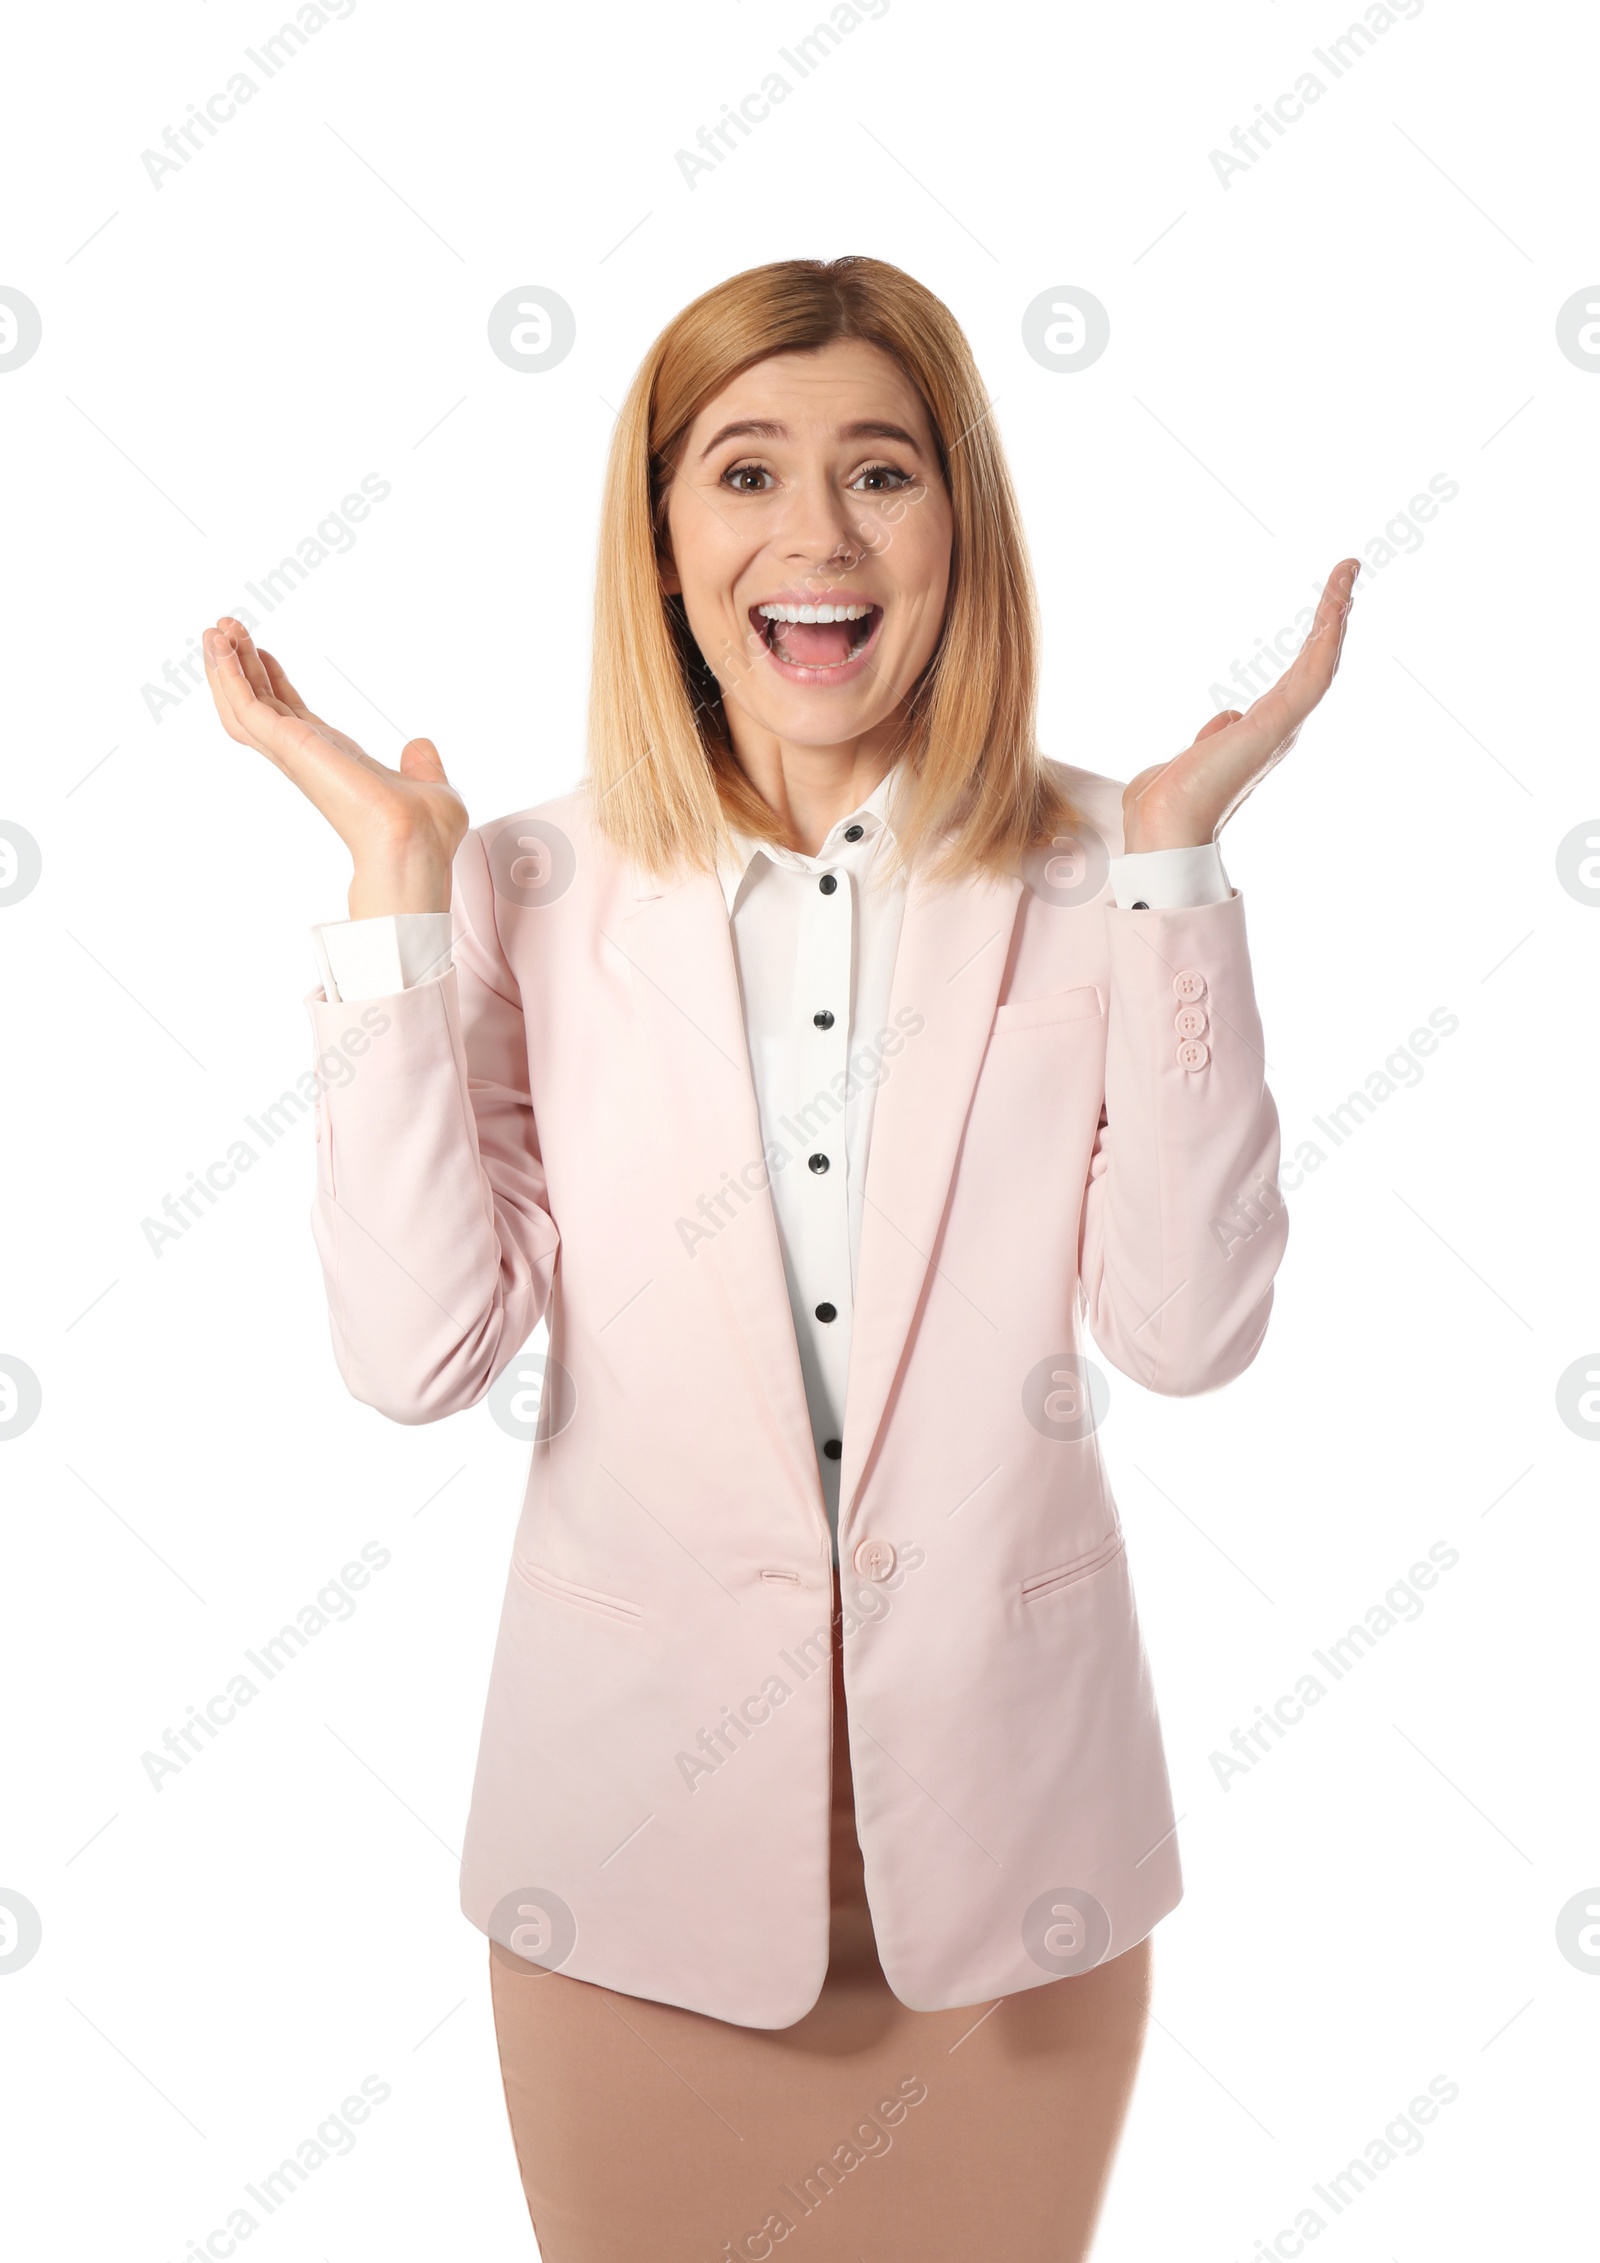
810, 536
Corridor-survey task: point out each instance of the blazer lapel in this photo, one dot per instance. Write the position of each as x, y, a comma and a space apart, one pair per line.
685, 980
954, 943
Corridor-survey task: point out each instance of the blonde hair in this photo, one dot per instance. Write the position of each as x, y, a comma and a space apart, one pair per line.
664, 781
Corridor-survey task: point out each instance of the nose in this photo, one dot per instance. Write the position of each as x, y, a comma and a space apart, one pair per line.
819, 527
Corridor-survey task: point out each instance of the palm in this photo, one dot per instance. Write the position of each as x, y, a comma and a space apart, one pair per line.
369, 805
1187, 801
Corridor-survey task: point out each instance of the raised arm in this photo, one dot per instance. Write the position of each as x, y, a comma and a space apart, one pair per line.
1183, 1222
430, 1218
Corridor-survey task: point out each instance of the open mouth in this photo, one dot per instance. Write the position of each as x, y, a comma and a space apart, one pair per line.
817, 640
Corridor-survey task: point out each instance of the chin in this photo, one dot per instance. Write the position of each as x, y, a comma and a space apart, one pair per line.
816, 719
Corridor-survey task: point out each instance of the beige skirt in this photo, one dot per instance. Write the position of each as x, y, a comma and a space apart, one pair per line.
865, 2130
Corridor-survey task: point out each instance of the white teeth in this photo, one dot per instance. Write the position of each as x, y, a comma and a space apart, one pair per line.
821, 613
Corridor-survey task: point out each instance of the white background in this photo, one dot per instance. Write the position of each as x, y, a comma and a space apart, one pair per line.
1293, 356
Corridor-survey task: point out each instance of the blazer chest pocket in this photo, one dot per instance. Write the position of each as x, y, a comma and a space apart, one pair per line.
614, 1607
1084, 1003
1067, 1575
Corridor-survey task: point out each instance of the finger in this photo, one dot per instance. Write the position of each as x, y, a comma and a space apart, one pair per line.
1288, 702
1333, 611
1243, 747
290, 741
281, 686
295, 744
1218, 723
230, 687
211, 646
250, 658
1345, 574
419, 759
240, 706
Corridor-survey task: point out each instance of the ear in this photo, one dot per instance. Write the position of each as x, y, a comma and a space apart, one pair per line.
666, 565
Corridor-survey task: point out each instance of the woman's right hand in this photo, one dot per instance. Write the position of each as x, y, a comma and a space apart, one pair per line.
402, 827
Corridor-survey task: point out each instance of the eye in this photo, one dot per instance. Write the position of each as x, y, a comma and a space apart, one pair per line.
885, 479
737, 474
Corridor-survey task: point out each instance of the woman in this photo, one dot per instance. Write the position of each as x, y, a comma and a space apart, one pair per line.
813, 1070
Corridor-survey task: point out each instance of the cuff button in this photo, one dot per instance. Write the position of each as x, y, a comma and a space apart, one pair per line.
1189, 985
1192, 1054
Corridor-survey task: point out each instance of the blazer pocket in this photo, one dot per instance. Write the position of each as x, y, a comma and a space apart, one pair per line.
567, 1591
1066, 1575
1082, 1004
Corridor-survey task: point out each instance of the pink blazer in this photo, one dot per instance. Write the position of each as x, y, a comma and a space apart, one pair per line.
565, 1125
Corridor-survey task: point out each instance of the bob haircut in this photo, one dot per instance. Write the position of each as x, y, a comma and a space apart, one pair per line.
664, 782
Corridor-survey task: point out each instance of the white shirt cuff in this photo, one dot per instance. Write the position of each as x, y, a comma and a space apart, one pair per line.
373, 958
1170, 879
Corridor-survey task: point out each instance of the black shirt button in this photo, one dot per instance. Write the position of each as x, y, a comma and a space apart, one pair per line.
827, 883
827, 1312
833, 1448
854, 832
824, 1020
1141, 905
818, 1163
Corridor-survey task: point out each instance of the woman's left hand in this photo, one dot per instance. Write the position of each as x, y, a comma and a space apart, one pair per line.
1187, 801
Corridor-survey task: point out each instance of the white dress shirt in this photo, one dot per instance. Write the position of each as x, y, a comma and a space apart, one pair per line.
815, 966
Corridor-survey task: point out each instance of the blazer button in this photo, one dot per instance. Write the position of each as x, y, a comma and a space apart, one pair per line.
874, 1559
817, 1163
1190, 1021
1192, 1054
1189, 985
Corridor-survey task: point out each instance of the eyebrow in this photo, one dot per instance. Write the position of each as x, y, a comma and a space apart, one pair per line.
763, 428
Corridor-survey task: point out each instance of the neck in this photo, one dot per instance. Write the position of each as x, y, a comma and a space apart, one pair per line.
811, 787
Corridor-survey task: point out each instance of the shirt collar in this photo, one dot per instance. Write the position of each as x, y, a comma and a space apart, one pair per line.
875, 814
